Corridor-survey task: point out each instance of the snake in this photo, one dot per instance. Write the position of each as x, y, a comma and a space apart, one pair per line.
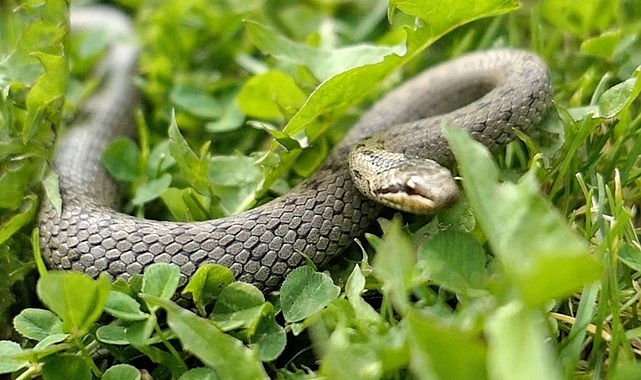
490, 94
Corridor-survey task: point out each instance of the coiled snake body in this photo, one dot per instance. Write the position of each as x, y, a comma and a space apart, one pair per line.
488, 94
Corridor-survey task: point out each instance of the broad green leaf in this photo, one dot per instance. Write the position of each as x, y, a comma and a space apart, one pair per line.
602, 45
266, 95
615, 99
323, 63
124, 307
354, 288
185, 204
151, 190
268, 337
207, 283
306, 292
195, 168
112, 334
51, 187
75, 297
161, 280
630, 256
347, 357
354, 84
223, 353
441, 351
395, 265
65, 366
8, 350
531, 240
196, 101
45, 100
28, 209
236, 180
517, 345
122, 372
121, 158
239, 305
454, 260
37, 324
200, 374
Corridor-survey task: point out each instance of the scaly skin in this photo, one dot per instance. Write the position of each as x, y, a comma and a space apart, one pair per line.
488, 93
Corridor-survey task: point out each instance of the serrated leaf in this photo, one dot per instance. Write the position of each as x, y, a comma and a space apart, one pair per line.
264, 96
324, 63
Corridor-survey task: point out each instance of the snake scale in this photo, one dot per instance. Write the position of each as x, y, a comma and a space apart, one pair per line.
489, 94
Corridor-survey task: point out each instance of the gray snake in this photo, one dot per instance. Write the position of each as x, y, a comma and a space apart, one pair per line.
489, 94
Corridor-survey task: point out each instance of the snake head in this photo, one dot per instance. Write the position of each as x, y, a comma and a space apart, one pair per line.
418, 186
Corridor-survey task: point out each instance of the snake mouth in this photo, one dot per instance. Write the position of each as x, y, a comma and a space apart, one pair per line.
413, 196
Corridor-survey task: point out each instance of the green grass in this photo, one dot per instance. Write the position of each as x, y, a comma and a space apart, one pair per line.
533, 274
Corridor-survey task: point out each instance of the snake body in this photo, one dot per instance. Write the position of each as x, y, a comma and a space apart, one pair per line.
489, 94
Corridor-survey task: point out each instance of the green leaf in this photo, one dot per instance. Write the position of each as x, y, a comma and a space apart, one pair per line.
150, 190
236, 179
75, 297
239, 305
630, 256
196, 101
439, 351
349, 357
266, 95
8, 350
207, 283
306, 292
65, 366
454, 260
354, 288
531, 240
395, 264
194, 168
112, 334
323, 63
45, 100
161, 280
37, 324
200, 374
223, 353
620, 96
518, 348
124, 307
356, 83
122, 372
121, 158
269, 337
28, 210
